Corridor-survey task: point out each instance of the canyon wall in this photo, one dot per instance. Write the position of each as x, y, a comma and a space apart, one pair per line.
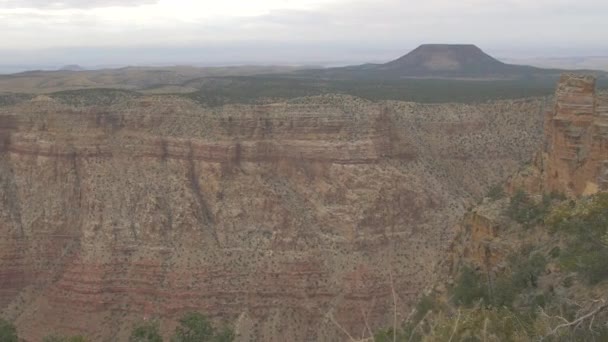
286, 219
573, 162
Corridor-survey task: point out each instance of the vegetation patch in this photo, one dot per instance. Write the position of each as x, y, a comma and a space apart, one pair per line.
585, 224
93, 97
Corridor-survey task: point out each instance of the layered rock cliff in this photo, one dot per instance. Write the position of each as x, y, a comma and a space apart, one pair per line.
537, 249
573, 161
284, 219
577, 138
574, 158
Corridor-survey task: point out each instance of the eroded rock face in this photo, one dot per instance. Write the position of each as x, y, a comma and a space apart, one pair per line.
577, 138
275, 217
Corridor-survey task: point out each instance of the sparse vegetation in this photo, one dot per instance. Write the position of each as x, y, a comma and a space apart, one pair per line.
93, 97
524, 210
585, 223
496, 192
415, 327
8, 332
517, 303
146, 332
469, 289
58, 338
195, 327
254, 89
12, 99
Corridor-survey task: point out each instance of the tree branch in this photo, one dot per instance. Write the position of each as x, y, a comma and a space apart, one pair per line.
577, 322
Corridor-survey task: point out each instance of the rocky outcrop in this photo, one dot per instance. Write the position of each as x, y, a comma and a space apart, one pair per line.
577, 138
573, 162
275, 217
477, 241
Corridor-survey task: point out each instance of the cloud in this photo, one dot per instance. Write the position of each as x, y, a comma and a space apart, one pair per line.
75, 4
370, 29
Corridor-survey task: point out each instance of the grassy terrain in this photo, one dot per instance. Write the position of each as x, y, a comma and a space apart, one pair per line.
97, 97
217, 91
264, 89
12, 99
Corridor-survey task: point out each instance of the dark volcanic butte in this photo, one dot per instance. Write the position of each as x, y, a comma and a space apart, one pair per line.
439, 61
463, 60
275, 217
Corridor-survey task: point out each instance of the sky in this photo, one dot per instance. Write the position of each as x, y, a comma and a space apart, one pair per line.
228, 32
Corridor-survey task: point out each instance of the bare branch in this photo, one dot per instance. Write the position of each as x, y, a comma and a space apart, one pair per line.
331, 318
416, 327
455, 326
394, 306
485, 329
369, 329
577, 322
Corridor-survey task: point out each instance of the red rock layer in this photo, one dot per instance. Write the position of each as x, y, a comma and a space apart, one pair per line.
284, 219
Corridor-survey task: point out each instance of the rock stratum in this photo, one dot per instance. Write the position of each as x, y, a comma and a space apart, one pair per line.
574, 158
286, 219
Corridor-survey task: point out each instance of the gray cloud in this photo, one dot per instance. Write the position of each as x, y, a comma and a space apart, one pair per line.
344, 31
81, 4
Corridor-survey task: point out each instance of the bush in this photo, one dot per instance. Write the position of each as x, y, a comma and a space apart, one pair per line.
585, 222
496, 192
195, 327
146, 332
524, 210
503, 292
527, 269
56, 338
411, 331
8, 332
481, 324
469, 288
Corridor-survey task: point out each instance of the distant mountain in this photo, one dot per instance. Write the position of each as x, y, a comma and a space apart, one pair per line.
440, 61
573, 63
72, 67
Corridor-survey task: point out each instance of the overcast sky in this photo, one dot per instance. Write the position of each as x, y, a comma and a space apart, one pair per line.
290, 31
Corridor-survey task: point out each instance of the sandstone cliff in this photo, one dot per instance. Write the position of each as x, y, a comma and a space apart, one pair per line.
540, 253
573, 161
577, 138
574, 158
274, 217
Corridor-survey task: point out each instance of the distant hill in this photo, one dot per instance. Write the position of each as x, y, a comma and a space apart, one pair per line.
72, 67
150, 79
572, 63
440, 61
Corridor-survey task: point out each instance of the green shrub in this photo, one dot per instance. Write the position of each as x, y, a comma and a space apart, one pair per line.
496, 192
8, 332
56, 338
555, 252
524, 210
585, 223
481, 324
503, 292
412, 330
425, 304
195, 327
146, 332
527, 269
469, 289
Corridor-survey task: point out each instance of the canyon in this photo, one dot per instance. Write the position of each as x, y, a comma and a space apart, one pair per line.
292, 220
571, 162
